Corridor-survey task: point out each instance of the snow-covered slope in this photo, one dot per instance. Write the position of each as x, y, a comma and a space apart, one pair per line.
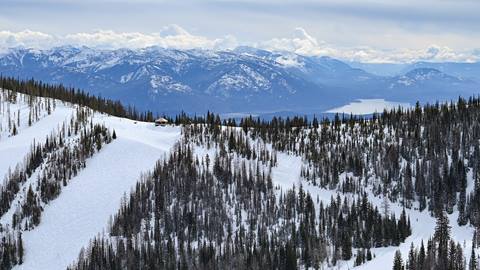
287, 175
84, 206
14, 148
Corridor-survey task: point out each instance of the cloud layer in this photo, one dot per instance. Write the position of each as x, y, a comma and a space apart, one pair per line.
173, 36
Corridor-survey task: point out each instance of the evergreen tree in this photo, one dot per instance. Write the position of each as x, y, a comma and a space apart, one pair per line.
472, 265
20, 248
442, 234
398, 261
409, 193
412, 259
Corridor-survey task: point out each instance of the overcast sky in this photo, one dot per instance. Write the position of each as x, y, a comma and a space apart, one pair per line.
369, 31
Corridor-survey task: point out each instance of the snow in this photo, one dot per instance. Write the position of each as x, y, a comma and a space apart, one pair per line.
86, 204
256, 77
126, 78
289, 61
7, 218
287, 174
84, 207
423, 226
168, 83
403, 80
14, 149
368, 106
243, 78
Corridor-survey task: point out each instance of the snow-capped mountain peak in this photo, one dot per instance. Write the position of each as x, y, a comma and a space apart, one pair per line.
239, 80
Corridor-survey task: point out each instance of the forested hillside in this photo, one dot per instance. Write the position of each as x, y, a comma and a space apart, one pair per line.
424, 160
53, 196
397, 190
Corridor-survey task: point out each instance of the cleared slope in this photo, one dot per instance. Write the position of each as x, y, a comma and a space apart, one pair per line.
84, 207
14, 149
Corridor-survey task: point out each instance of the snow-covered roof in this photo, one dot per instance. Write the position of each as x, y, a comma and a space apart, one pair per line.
161, 120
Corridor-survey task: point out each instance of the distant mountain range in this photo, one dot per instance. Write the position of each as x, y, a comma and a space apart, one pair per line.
245, 80
462, 70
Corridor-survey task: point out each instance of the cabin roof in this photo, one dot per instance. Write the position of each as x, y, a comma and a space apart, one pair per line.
161, 119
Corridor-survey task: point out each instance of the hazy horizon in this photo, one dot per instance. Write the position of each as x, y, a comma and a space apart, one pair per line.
364, 31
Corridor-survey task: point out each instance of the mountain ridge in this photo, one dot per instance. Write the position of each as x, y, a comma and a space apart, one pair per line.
244, 80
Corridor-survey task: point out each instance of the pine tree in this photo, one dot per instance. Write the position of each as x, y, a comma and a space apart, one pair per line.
360, 259
409, 195
421, 257
291, 257
472, 265
20, 248
412, 260
462, 219
442, 234
346, 246
398, 261
385, 205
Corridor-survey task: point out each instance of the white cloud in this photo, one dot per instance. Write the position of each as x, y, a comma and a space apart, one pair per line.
173, 36
304, 44
26, 38
301, 43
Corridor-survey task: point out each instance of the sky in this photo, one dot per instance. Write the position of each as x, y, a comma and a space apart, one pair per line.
366, 31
